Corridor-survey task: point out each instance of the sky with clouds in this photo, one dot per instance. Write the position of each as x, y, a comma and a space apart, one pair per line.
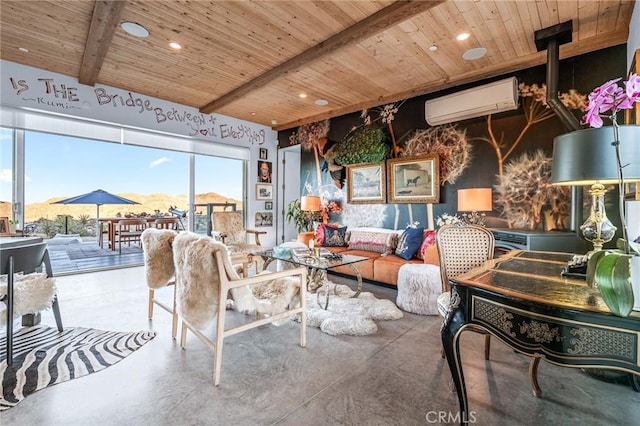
62, 166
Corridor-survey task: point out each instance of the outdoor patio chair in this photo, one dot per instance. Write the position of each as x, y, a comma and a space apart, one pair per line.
166, 223
205, 275
27, 293
129, 230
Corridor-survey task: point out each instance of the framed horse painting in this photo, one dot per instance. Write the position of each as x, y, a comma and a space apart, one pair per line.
414, 180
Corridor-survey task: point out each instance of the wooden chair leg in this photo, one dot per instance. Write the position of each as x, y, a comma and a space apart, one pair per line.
487, 346
56, 313
183, 335
174, 319
219, 340
533, 376
151, 296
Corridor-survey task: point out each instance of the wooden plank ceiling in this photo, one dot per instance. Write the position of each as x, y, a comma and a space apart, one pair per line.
252, 59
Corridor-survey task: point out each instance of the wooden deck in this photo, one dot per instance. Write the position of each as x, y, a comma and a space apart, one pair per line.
87, 257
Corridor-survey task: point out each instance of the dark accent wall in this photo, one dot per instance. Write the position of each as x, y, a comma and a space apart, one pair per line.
582, 73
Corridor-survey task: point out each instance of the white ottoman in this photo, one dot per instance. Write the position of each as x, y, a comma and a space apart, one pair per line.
419, 286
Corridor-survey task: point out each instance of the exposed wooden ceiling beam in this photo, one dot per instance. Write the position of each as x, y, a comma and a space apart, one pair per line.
391, 15
104, 22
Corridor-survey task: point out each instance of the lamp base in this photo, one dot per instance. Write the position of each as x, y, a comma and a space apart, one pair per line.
598, 229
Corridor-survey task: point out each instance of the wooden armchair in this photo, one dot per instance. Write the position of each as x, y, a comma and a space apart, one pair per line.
229, 230
205, 275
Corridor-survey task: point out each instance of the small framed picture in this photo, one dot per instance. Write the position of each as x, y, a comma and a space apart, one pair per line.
263, 153
264, 191
268, 205
4, 225
264, 219
264, 171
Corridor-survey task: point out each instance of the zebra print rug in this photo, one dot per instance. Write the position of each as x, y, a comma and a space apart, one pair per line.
42, 357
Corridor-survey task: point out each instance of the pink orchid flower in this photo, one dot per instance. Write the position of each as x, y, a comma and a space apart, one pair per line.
611, 97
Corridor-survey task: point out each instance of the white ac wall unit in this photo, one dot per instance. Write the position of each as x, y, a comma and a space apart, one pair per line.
488, 99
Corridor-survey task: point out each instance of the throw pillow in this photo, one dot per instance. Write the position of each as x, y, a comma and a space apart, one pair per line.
335, 237
319, 235
409, 242
428, 240
379, 241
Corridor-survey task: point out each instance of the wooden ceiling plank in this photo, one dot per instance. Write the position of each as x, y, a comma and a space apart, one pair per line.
391, 15
104, 21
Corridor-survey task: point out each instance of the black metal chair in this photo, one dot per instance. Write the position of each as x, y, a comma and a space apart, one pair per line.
26, 259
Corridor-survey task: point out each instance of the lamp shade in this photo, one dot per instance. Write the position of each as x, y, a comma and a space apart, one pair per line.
474, 200
587, 156
310, 203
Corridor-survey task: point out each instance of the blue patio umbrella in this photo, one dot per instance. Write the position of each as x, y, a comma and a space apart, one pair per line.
97, 197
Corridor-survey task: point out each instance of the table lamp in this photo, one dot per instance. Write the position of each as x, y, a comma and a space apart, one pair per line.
474, 200
587, 157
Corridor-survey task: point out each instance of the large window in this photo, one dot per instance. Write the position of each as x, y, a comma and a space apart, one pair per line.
59, 167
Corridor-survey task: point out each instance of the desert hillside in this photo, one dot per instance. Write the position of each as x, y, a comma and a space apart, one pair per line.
148, 204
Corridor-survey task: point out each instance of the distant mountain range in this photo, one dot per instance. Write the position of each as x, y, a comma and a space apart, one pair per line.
148, 204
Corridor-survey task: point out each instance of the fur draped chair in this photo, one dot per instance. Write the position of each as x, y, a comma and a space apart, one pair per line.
159, 269
205, 275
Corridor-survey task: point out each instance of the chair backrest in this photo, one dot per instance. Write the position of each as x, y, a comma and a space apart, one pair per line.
157, 246
26, 259
198, 278
230, 223
166, 223
132, 224
462, 247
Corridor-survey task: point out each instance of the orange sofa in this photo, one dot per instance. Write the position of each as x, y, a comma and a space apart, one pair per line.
382, 265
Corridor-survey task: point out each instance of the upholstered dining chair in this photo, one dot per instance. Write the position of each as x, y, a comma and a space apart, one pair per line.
462, 247
229, 229
157, 246
205, 275
129, 230
27, 293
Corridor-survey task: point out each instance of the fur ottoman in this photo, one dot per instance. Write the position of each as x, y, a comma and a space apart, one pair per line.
419, 286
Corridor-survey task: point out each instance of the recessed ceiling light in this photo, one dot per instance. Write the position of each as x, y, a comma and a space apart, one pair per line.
302, 95
253, 113
433, 48
321, 102
134, 29
175, 45
462, 36
23, 49
475, 53
274, 122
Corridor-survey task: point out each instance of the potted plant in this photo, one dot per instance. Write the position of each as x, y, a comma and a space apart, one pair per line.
303, 220
13, 224
612, 271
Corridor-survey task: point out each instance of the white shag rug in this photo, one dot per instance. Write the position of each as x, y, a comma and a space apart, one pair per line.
346, 315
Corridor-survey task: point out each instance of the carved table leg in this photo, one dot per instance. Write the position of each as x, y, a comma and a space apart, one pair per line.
533, 377
359, 280
450, 333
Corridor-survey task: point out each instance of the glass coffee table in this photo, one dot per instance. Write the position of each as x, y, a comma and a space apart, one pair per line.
317, 262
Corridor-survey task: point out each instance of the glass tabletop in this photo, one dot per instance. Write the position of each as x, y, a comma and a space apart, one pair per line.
305, 257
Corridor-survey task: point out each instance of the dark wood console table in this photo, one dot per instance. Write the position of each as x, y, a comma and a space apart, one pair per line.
522, 299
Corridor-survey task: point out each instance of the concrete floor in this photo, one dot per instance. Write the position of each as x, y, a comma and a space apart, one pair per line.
395, 377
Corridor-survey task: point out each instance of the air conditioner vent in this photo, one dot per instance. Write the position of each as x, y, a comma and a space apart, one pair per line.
487, 99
